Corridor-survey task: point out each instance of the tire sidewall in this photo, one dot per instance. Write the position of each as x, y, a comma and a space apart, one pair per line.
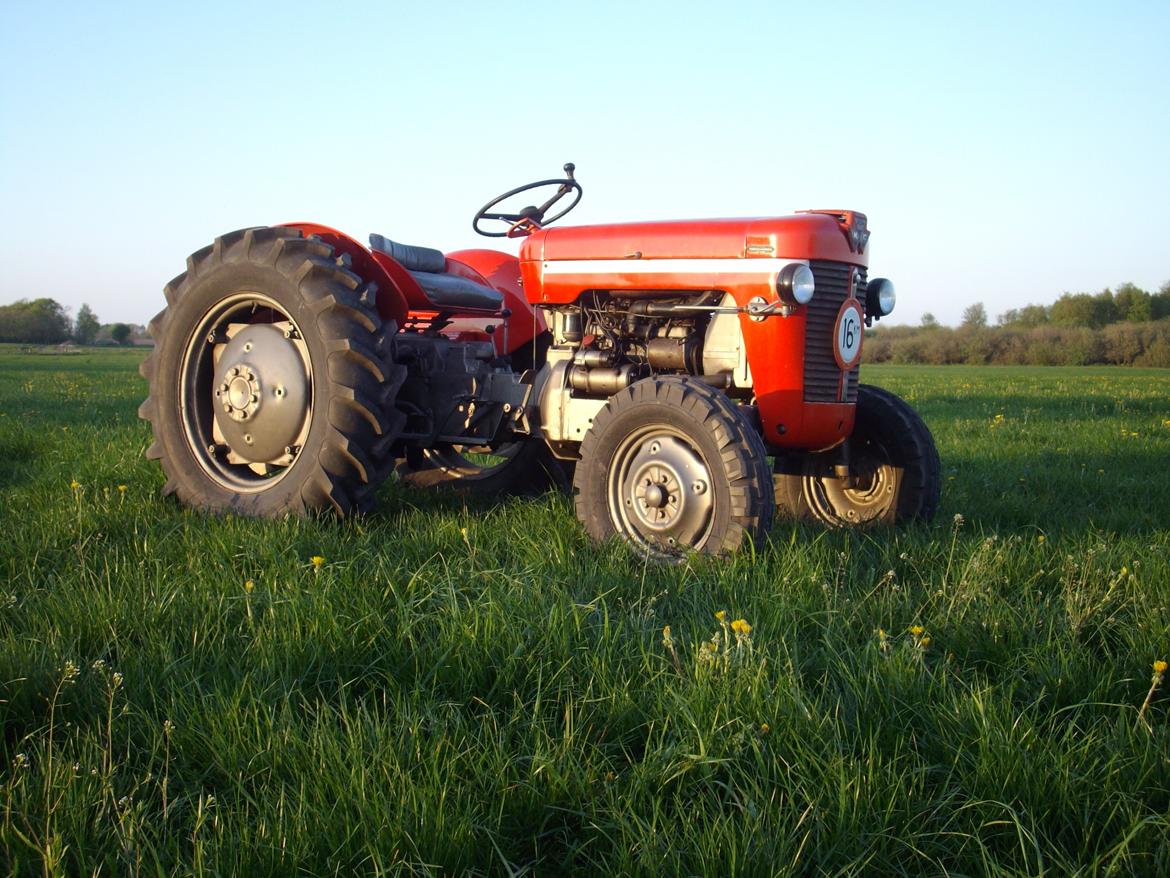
205, 291
594, 485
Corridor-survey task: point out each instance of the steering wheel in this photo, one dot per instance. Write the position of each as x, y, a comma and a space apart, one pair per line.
531, 218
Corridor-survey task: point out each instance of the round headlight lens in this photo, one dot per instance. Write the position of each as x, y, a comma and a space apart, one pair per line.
796, 284
880, 297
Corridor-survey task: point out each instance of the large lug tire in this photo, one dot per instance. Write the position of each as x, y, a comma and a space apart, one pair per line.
894, 471
671, 465
521, 467
272, 381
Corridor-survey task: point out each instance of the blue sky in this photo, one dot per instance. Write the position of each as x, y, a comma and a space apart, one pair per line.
1004, 152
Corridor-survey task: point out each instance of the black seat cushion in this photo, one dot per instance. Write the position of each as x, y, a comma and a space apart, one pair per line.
446, 292
412, 258
450, 293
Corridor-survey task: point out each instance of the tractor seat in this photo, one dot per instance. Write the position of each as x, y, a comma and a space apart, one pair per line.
446, 292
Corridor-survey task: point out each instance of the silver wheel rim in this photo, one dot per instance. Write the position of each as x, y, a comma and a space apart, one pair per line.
659, 491
246, 392
854, 499
473, 462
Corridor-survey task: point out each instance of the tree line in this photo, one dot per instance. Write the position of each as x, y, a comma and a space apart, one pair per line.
47, 321
1129, 327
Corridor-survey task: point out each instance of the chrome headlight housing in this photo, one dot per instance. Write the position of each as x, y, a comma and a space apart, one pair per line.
795, 284
879, 297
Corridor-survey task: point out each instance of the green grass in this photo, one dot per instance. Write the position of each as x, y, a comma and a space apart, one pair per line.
476, 689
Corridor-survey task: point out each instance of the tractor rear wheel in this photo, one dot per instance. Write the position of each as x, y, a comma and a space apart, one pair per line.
672, 465
272, 380
521, 467
894, 472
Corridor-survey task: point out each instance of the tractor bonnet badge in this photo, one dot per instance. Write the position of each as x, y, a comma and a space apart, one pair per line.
847, 334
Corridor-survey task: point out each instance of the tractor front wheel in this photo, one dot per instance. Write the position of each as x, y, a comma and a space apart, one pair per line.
892, 473
672, 465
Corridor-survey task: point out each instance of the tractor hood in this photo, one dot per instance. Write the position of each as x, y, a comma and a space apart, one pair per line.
838, 235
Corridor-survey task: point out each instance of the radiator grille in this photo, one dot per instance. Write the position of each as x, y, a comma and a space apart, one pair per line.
822, 375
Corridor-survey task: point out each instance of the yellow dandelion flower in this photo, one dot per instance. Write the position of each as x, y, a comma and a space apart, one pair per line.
75, 485
121, 489
463, 531
924, 642
249, 585
1041, 538
740, 626
318, 561
721, 615
917, 630
765, 728
1159, 666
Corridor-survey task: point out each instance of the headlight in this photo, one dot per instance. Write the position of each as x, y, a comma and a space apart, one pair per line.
879, 297
795, 284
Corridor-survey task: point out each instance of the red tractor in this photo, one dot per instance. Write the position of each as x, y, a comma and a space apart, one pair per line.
691, 376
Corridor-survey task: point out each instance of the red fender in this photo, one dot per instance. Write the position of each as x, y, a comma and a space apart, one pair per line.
392, 297
501, 272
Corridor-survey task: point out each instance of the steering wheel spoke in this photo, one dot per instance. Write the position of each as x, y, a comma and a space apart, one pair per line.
531, 218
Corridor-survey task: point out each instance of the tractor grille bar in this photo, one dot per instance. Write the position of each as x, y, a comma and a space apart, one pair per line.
822, 375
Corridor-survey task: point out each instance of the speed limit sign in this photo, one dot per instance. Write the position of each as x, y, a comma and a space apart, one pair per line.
847, 334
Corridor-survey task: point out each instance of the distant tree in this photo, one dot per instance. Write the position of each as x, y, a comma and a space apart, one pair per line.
85, 328
39, 321
1133, 304
120, 333
1160, 302
1024, 318
975, 315
1085, 309
929, 321
1034, 315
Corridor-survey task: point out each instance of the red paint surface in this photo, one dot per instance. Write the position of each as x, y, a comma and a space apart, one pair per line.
500, 271
775, 347
391, 300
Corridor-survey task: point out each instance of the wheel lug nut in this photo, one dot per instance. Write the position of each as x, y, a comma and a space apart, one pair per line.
699, 487
248, 438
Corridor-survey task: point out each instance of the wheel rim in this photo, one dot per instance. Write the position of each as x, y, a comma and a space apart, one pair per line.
246, 392
660, 493
474, 462
867, 494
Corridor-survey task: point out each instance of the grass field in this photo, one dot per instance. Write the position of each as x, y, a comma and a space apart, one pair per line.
474, 688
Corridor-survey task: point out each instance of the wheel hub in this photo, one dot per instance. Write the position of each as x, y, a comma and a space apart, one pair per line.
239, 393
261, 393
664, 491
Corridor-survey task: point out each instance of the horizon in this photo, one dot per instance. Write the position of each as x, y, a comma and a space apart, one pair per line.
1003, 156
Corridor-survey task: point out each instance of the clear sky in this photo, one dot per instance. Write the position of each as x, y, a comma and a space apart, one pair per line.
1004, 152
